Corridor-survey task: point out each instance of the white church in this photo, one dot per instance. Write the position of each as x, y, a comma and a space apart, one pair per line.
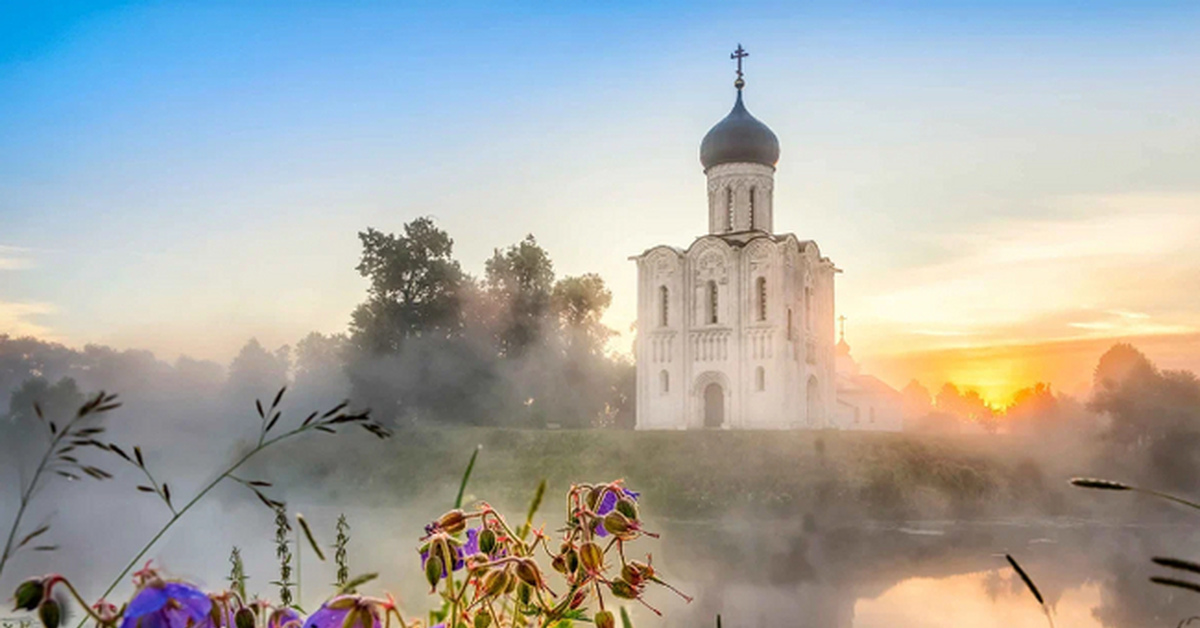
737, 331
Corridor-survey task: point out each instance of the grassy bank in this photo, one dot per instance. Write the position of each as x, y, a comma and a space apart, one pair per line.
704, 474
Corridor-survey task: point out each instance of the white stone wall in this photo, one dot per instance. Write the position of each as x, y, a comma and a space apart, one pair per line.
738, 183
693, 351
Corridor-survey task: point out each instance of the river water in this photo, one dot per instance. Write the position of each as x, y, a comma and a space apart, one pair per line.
924, 574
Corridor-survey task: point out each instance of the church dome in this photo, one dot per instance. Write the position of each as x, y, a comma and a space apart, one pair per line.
739, 138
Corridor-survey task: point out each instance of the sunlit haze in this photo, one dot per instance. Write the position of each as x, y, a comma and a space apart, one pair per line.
1008, 188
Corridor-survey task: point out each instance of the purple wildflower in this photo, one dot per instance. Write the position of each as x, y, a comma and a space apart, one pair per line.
607, 504
333, 613
460, 552
167, 605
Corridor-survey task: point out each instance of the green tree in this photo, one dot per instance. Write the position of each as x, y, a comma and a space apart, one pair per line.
519, 281
415, 287
580, 303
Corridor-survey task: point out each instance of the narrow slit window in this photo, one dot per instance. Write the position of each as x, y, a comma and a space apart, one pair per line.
760, 379
729, 209
712, 302
664, 380
790, 332
751, 208
808, 309
664, 296
762, 298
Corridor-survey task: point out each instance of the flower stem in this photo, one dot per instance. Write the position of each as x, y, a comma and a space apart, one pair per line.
27, 495
182, 511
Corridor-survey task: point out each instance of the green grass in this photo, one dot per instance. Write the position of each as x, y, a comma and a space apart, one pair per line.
700, 474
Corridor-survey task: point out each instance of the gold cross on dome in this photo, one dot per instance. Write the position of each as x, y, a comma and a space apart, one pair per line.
739, 54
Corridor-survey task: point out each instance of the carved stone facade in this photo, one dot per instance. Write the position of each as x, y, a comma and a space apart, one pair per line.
736, 331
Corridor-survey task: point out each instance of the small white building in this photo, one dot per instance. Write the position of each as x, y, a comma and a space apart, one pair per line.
865, 402
737, 329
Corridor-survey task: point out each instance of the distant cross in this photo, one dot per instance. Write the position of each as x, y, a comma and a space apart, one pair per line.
842, 327
739, 54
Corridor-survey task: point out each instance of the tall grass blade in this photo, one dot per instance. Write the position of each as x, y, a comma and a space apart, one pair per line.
462, 486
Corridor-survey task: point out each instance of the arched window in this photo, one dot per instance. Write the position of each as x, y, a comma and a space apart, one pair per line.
663, 300
790, 331
712, 302
760, 379
729, 209
664, 382
762, 298
751, 208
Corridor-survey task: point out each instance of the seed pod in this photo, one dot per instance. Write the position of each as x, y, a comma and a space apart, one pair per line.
592, 557
453, 522
487, 541
628, 508
559, 563
630, 574
29, 594
244, 618
524, 593
476, 563
527, 571
482, 619
433, 570
623, 590
50, 613
495, 582
593, 497
572, 561
605, 619
579, 598
617, 524
441, 545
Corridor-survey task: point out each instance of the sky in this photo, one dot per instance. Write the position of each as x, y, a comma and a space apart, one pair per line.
1009, 188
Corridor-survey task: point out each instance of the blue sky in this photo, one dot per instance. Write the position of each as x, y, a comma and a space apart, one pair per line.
182, 176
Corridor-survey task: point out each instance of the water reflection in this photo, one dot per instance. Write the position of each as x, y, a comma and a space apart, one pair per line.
931, 574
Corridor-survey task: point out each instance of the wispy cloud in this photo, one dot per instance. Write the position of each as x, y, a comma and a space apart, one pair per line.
1115, 271
19, 319
15, 258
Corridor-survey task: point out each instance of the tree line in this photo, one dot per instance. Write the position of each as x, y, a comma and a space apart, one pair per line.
429, 345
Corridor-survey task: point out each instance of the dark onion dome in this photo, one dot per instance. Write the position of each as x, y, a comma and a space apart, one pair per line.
739, 138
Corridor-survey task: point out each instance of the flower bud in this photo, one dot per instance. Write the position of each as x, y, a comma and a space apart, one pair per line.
487, 541
29, 594
433, 570
453, 522
50, 613
476, 563
243, 618
628, 508
495, 582
527, 571
629, 574
482, 620
593, 497
605, 619
617, 524
572, 561
579, 598
524, 593
442, 546
623, 590
592, 557
559, 563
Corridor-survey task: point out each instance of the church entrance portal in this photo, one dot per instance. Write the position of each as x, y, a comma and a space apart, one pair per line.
714, 405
